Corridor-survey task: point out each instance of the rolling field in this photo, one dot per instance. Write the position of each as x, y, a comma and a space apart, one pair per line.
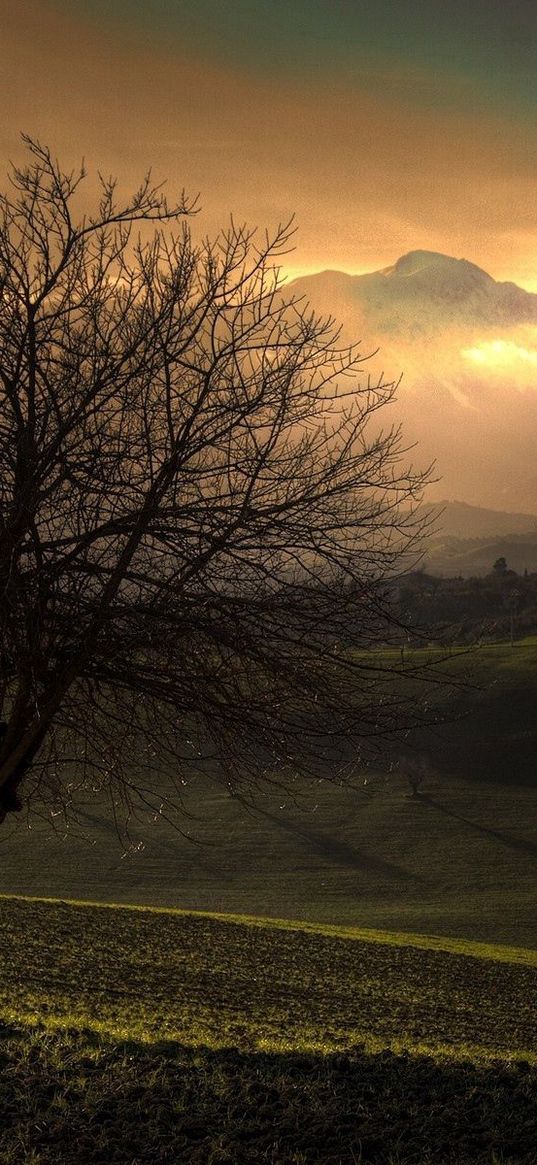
392, 1024
461, 859
133, 1035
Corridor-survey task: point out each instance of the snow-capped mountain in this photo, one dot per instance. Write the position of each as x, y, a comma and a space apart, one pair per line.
466, 346
424, 290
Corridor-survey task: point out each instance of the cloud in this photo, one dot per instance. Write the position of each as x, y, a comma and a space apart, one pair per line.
369, 171
513, 355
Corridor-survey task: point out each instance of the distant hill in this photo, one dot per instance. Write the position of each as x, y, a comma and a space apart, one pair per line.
459, 520
474, 557
466, 540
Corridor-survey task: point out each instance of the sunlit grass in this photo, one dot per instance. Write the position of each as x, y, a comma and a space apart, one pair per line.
134, 1035
500, 952
272, 985
71, 1097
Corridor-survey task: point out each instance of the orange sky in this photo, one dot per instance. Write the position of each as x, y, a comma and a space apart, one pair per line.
372, 166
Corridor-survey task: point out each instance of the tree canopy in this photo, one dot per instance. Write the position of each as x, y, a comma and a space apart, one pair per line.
201, 512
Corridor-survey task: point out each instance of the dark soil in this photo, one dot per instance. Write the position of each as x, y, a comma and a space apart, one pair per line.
71, 1099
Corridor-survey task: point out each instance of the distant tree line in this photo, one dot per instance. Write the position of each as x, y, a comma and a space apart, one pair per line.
467, 609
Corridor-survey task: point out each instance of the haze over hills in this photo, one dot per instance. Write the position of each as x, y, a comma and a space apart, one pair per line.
466, 540
466, 346
459, 520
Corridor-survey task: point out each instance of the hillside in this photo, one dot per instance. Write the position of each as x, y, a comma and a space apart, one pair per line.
202, 980
141, 1036
454, 519
474, 557
458, 860
466, 540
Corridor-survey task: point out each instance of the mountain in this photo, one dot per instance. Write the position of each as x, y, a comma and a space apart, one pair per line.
424, 291
466, 346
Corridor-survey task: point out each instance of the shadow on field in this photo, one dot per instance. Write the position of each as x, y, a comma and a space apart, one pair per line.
71, 1098
155, 846
338, 852
515, 843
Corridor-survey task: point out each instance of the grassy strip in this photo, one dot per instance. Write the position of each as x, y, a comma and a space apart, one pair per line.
205, 981
499, 952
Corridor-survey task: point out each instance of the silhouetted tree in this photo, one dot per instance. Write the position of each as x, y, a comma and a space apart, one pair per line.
198, 515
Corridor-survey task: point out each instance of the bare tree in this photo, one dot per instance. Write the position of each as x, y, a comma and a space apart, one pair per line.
199, 516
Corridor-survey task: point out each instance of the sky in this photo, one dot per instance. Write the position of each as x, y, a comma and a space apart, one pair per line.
383, 126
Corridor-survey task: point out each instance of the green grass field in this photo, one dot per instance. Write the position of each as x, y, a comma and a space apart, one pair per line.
460, 860
253, 984
134, 1036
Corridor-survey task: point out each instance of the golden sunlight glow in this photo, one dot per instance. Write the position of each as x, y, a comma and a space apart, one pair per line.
500, 355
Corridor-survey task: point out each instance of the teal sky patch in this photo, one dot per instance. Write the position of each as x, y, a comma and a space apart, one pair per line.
474, 51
